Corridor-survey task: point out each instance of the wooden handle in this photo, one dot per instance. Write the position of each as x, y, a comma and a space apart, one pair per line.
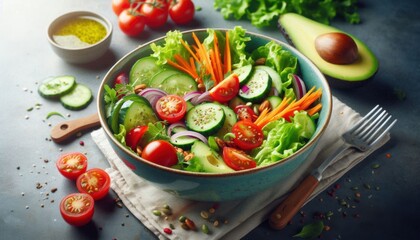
282, 215
67, 129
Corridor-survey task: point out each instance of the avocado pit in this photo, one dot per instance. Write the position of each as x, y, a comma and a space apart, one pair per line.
337, 48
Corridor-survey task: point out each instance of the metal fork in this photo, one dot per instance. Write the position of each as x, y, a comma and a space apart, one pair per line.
363, 136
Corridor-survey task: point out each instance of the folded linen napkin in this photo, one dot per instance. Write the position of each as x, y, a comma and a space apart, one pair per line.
141, 198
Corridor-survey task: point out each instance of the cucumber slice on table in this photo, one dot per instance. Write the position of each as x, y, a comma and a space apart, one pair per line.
143, 70
206, 118
179, 84
56, 86
78, 98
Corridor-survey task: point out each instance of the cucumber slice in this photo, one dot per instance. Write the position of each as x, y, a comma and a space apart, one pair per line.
274, 101
158, 78
274, 75
179, 84
244, 73
230, 120
117, 118
56, 86
206, 118
259, 87
143, 70
78, 98
183, 142
207, 159
137, 114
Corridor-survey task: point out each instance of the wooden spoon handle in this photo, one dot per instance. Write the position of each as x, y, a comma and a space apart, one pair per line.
282, 215
67, 129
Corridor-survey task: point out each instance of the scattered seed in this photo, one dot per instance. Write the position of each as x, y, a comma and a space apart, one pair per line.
204, 214
171, 226
388, 155
81, 143
357, 194
167, 231
190, 223
216, 223
376, 166
184, 226
205, 229
212, 210
182, 219
166, 211
355, 188
157, 213
367, 186
53, 190
327, 228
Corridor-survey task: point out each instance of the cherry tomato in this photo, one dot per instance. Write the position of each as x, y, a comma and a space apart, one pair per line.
247, 135
77, 208
160, 152
71, 165
121, 78
182, 11
171, 108
156, 12
95, 182
245, 113
119, 5
131, 22
226, 89
237, 160
133, 137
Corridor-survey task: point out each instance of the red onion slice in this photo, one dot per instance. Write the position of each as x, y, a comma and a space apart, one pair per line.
298, 86
192, 95
174, 125
189, 134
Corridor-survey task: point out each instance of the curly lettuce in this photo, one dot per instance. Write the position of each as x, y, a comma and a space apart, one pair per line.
171, 46
284, 138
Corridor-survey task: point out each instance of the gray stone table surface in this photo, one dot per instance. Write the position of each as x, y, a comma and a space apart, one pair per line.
389, 209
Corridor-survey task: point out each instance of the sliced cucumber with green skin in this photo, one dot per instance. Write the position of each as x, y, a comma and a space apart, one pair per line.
183, 142
179, 84
137, 114
274, 75
244, 73
206, 118
158, 78
56, 86
274, 101
115, 115
259, 86
78, 98
207, 159
230, 120
143, 70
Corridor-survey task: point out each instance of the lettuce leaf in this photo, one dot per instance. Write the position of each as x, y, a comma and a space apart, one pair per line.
237, 42
263, 13
171, 46
284, 138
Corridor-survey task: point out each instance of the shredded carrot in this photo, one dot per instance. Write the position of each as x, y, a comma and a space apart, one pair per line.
189, 50
227, 57
288, 107
217, 59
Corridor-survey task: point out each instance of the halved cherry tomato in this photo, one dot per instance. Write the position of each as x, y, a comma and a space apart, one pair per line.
131, 22
245, 113
95, 182
77, 208
71, 165
237, 159
121, 78
133, 137
226, 89
119, 5
247, 135
171, 108
182, 11
160, 152
155, 12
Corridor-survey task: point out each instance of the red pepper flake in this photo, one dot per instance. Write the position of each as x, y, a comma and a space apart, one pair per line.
337, 186
388, 155
167, 231
82, 143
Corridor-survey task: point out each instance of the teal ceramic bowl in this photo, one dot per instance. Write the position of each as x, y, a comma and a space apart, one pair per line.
227, 186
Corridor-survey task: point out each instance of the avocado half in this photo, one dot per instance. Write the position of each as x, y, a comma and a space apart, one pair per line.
301, 32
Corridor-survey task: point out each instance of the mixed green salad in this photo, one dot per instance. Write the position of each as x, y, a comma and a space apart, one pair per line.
213, 104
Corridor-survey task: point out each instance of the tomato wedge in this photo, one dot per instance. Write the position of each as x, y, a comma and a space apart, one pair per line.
133, 137
71, 165
95, 182
77, 208
247, 135
245, 113
226, 89
160, 152
237, 160
171, 108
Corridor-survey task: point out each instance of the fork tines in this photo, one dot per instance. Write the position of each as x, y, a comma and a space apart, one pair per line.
373, 126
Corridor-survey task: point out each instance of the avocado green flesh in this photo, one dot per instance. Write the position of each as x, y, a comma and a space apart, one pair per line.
302, 32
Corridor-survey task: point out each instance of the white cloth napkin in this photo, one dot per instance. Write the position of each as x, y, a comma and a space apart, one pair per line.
141, 198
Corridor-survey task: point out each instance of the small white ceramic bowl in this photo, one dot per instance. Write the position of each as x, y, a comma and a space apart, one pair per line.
80, 54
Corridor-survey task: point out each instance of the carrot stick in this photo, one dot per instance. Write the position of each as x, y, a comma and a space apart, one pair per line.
217, 58
227, 56
189, 50
314, 109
